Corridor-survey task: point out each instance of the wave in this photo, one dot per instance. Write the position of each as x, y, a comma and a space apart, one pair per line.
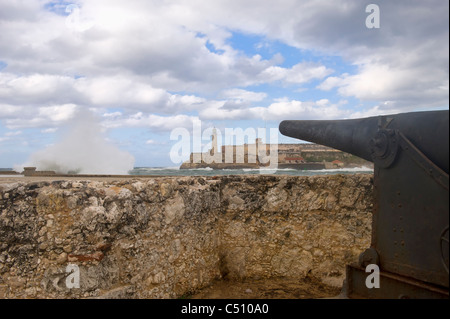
268, 169
202, 169
208, 171
155, 168
353, 169
1, 176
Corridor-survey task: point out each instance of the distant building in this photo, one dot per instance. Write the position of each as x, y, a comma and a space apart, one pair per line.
31, 171
337, 163
293, 160
302, 156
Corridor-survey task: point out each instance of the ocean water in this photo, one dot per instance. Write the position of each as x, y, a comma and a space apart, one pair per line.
175, 171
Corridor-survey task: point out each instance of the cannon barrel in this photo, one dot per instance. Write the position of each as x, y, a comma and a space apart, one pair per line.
410, 219
429, 131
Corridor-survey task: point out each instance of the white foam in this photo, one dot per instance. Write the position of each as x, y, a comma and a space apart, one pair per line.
83, 149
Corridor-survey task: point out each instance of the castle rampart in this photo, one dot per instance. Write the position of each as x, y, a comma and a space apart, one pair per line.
168, 236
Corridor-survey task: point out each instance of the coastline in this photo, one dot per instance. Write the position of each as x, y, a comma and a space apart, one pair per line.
143, 172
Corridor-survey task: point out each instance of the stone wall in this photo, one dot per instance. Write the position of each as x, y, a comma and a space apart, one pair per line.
168, 236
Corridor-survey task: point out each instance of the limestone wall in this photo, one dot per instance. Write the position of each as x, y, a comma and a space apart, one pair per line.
168, 236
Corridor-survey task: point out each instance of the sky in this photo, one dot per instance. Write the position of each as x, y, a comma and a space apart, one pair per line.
144, 68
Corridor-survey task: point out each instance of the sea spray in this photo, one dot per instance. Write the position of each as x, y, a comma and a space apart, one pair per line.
82, 149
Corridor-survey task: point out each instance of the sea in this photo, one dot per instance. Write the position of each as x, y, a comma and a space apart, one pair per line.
176, 171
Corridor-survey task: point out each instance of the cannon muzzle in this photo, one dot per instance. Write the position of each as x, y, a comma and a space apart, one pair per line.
429, 131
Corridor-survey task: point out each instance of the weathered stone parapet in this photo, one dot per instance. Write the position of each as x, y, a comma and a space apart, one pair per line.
167, 236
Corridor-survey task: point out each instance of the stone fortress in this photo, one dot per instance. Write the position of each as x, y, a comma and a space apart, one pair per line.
169, 237
302, 156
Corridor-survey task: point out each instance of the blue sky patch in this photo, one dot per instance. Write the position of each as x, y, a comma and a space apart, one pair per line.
252, 44
3, 65
212, 48
63, 8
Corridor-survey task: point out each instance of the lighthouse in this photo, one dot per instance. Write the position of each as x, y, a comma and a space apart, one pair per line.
214, 149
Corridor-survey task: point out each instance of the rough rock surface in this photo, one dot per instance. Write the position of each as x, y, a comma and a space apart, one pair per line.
164, 237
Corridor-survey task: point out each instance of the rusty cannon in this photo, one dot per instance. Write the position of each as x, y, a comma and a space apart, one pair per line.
410, 219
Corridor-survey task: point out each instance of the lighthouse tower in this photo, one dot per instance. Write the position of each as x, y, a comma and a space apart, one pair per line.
214, 149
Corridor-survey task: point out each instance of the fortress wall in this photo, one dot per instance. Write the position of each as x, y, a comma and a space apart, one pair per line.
168, 236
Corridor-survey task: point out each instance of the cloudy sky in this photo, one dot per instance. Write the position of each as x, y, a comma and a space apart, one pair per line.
146, 67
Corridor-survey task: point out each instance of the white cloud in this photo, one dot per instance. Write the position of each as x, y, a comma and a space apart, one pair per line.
115, 91
8, 111
151, 121
49, 130
243, 95
298, 74
320, 109
405, 61
159, 42
151, 61
35, 88
14, 133
43, 117
153, 142
58, 113
404, 86
281, 109
119, 90
112, 115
